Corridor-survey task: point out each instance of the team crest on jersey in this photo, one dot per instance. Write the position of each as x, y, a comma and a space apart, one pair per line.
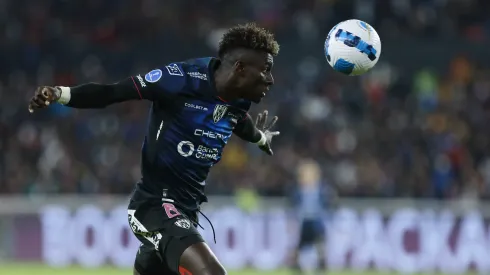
183, 223
219, 112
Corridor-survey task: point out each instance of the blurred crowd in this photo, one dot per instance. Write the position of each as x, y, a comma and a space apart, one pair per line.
416, 126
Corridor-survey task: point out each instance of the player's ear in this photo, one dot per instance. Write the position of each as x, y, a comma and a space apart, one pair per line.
239, 66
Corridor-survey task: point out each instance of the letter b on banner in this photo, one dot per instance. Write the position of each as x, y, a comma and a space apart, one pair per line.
56, 234
87, 237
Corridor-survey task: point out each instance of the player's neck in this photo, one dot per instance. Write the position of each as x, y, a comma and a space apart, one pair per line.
226, 95
223, 88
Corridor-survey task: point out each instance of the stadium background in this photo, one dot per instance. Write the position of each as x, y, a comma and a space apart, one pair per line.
412, 132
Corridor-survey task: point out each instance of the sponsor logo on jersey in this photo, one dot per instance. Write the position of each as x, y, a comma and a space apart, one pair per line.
153, 76
219, 112
194, 106
198, 75
206, 153
173, 69
209, 134
183, 223
187, 149
142, 82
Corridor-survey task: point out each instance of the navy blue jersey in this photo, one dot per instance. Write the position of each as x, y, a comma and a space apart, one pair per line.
311, 202
188, 128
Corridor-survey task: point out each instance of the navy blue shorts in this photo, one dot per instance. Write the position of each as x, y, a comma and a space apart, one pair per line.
311, 232
165, 232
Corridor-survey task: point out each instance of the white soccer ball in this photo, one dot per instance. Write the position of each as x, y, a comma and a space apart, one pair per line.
352, 47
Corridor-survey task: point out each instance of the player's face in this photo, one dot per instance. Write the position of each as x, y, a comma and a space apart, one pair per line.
256, 76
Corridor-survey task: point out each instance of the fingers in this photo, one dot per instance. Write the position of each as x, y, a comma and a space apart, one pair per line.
267, 149
41, 99
270, 135
32, 107
271, 123
265, 115
261, 118
259, 121
47, 95
36, 102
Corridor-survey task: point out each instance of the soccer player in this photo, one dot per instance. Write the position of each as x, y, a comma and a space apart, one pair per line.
196, 106
310, 200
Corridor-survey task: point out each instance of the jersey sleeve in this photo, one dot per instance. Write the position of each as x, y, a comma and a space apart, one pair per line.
161, 83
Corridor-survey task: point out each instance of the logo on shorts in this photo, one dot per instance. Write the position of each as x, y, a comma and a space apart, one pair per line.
186, 224
219, 112
153, 76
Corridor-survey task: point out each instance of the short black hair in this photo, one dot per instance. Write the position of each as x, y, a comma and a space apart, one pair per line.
248, 36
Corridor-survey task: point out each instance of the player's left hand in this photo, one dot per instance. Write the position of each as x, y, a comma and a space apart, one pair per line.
266, 128
43, 96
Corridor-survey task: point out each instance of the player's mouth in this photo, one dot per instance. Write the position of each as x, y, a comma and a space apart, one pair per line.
266, 90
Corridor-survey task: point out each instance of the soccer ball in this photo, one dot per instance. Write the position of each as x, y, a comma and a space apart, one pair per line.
352, 47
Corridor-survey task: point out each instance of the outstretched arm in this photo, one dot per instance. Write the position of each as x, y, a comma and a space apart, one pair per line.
93, 95
156, 85
259, 133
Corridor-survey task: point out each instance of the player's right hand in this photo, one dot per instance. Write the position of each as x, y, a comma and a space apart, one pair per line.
266, 129
43, 96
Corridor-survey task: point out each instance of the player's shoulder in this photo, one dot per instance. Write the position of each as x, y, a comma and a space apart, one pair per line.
186, 68
198, 68
201, 63
192, 74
